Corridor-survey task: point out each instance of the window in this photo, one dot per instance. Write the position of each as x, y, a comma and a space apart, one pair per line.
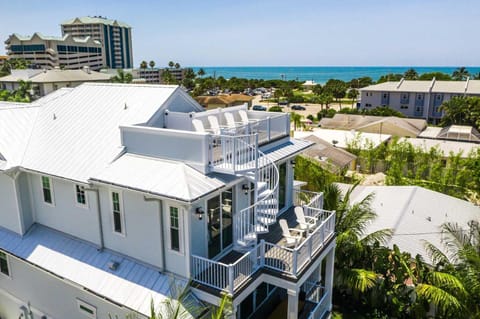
47, 190
117, 213
87, 309
80, 195
404, 107
4, 264
174, 229
368, 105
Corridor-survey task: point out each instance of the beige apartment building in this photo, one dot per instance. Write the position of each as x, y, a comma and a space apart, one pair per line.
48, 52
115, 36
420, 99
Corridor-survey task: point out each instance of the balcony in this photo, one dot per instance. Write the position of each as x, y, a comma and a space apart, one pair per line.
232, 272
226, 148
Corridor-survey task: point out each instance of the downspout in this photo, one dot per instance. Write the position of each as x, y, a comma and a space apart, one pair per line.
99, 216
145, 198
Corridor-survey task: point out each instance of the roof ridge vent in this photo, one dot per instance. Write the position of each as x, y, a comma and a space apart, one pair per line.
400, 83
466, 85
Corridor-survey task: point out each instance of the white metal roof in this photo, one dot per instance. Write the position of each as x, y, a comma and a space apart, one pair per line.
456, 87
166, 178
15, 130
133, 284
445, 146
287, 149
415, 214
77, 134
344, 137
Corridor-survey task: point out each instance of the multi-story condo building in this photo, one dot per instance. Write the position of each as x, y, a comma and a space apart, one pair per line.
421, 99
48, 52
115, 36
108, 191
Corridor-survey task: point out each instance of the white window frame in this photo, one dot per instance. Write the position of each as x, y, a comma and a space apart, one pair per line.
9, 269
52, 194
121, 211
180, 230
83, 205
82, 304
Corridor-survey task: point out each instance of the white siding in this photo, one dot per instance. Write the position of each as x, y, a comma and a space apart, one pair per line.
65, 215
47, 294
141, 227
9, 212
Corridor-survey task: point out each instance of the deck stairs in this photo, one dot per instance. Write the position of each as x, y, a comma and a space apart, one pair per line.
241, 156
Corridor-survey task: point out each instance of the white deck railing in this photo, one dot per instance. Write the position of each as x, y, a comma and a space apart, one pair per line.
290, 261
233, 153
321, 308
307, 198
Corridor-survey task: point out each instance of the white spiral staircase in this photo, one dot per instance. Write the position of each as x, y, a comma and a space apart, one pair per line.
240, 155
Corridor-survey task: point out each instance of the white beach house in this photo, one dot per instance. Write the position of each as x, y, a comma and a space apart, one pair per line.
107, 191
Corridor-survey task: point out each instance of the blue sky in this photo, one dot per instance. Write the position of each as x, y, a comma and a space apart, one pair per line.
274, 32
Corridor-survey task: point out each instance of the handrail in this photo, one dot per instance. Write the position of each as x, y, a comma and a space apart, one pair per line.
320, 309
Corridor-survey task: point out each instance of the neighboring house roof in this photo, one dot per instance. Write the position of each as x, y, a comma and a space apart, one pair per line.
328, 155
373, 124
343, 138
223, 99
455, 87
309, 83
452, 132
133, 284
415, 214
56, 76
95, 20
444, 146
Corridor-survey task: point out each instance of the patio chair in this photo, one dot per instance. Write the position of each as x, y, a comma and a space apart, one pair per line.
214, 125
291, 240
237, 127
305, 222
250, 123
198, 125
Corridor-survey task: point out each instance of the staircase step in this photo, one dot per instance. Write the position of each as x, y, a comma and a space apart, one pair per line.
266, 221
261, 229
267, 212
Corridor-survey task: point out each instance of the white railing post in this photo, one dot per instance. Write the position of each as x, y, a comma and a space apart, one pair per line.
262, 253
234, 155
294, 262
231, 279
268, 129
310, 248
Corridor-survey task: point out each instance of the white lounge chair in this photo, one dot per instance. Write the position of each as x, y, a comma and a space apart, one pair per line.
291, 240
198, 125
252, 124
305, 222
214, 125
230, 120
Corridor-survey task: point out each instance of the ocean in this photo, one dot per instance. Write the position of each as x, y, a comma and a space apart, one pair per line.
319, 74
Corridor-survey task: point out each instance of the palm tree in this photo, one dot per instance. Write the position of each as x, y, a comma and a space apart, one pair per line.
351, 221
353, 94
122, 77
476, 76
460, 74
411, 74
171, 64
177, 65
201, 72
143, 65
462, 258
296, 119
167, 77
151, 64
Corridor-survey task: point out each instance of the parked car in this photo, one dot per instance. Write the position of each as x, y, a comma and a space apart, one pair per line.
259, 108
298, 107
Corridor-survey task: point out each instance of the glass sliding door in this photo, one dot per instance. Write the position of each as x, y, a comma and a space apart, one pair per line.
220, 228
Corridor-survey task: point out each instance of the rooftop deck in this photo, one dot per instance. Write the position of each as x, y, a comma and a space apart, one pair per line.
232, 271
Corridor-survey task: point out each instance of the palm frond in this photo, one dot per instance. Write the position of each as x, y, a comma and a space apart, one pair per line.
440, 298
382, 236
359, 280
449, 281
435, 254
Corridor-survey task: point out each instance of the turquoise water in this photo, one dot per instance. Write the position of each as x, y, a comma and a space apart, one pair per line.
319, 74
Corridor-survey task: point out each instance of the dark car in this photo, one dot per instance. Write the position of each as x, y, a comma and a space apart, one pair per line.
259, 108
298, 108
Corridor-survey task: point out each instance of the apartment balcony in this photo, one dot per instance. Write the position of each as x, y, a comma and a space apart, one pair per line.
271, 254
